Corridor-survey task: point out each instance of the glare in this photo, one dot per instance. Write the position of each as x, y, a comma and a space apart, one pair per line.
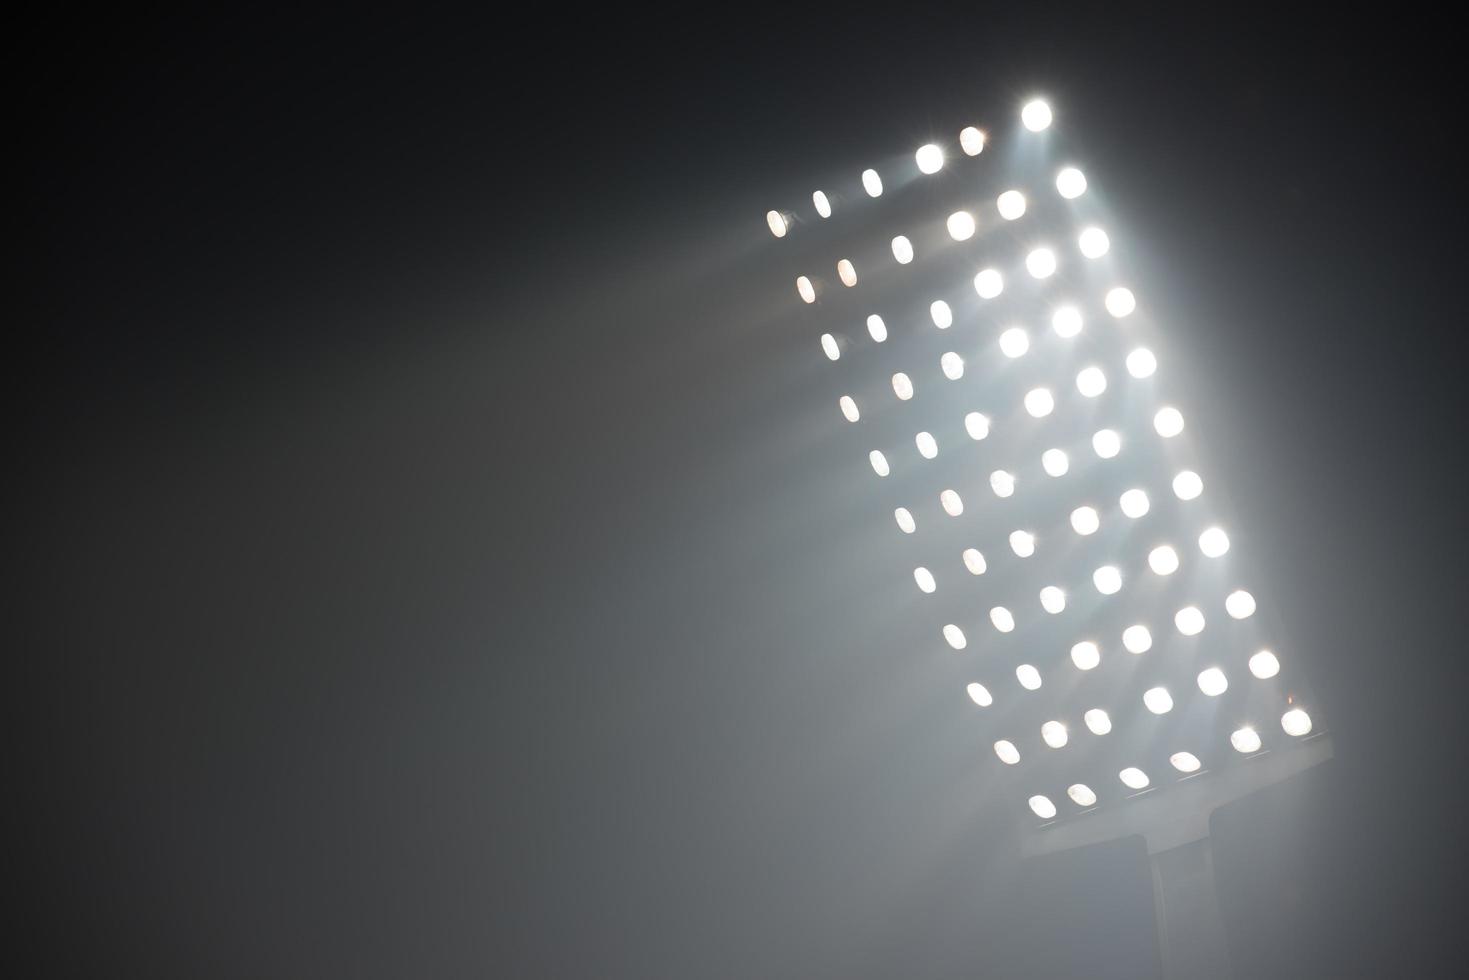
989, 283
928, 446
902, 386
849, 408
1264, 665
1093, 242
952, 365
777, 223
1213, 682
1053, 600
1141, 363
829, 347
877, 328
1239, 604
1002, 483
823, 205
1137, 639
1011, 205
974, 561
1043, 807
1007, 752
1106, 443
1054, 462
1053, 733
1084, 520
955, 636
951, 503
1004, 622
1158, 700
1039, 403
1091, 382
1120, 302
1014, 342
930, 158
977, 425
1133, 778
1163, 560
1134, 503
1189, 620
1071, 183
942, 316
1214, 542
1029, 677
902, 250
1036, 115
872, 183
879, 463
961, 226
804, 287
971, 141
1245, 740
1296, 722
847, 272
1168, 422
925, 581
1098, 721
1066, 321
1185, 761
1041, 263
1022, 543
1187, 485
1081, 794
1086, 655
904, 517
1107, 579
979, 694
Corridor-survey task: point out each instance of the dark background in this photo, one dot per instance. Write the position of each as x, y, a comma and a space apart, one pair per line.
435, 559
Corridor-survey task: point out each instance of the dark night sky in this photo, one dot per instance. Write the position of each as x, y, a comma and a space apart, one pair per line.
431, 566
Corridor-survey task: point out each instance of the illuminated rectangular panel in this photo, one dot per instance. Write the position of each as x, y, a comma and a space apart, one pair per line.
1030, 453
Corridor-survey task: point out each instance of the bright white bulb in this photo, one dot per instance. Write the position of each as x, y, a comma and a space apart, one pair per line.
902, 386
1014, 342
902, 249
1081, 794
1133, 778
1134, 503
1053, 600
1239, 604
1214, 542
1245, 740
1107, 579
822, 202
1168, 422
942, 316
1213, 682
1041, 263
1055, 462
847, 272
1187, 485
1141, 363
849, 408
1106, 443
1007, 752
1158, 700
1039, 403
1086, 655
1296, 722
1120, 302
1042, 807
1029, 677
1098, 721
879, 463
804, 287
988, 283
949, 500
1185, 761
1022, 543
1163, 560
928, 446
1264, 665
930, 158
1084, 520
977, 425
971, 141
1002, 619
1091, 382
1137, 639
979, 694
1071, 183
961, 226
777, 223
1002, 483
1036, 115
925, 581
872, 183
1066, 321
952, 365
904, 517
877, 328
1189, 620
1053, 733
955, 637
1093, 242
1011, 205
829, 347
974, 561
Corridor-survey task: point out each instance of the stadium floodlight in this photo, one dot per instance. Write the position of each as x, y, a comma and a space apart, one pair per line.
1163, 693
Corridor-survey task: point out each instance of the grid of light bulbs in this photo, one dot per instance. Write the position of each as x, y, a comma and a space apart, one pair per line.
1040, 263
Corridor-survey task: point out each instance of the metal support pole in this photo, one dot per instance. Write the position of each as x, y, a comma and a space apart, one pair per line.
1190, 926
